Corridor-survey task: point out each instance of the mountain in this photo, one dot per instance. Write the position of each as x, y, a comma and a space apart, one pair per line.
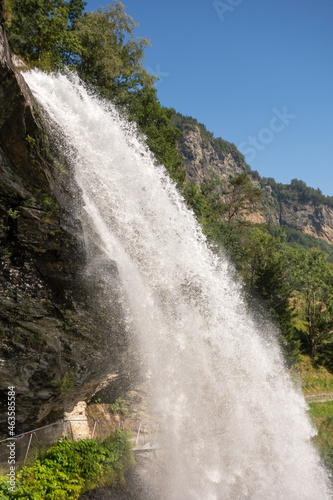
298, 207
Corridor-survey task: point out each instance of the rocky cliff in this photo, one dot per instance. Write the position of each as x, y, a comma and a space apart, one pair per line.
61, 325
309, 218
203, 160
205, 157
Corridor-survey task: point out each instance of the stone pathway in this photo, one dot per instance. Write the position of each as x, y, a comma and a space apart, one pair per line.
320, 397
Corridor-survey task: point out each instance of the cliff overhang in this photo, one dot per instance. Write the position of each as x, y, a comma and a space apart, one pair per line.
61, 326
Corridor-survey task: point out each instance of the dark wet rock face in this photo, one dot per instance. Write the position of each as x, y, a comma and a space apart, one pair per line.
143, 482
61, 325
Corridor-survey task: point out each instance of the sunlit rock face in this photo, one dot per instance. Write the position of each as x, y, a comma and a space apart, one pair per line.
203, 161
58, 343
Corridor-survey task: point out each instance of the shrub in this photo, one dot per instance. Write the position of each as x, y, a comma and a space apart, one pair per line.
69, 468
119, 406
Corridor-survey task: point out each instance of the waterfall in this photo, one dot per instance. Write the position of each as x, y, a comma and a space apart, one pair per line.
235, 425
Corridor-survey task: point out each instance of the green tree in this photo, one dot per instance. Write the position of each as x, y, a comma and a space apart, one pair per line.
195, 199
222, 209
316, 299
102, 48
267, 266
261, 261
111, 60
42, 31
111, 57
242, 199
154, 121
205, 201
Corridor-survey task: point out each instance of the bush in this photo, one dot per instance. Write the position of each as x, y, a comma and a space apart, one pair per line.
70, 468
119, 406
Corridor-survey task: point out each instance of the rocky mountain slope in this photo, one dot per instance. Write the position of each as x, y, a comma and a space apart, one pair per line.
294, 205
61, 324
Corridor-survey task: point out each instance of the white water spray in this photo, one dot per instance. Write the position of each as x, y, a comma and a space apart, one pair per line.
235, 425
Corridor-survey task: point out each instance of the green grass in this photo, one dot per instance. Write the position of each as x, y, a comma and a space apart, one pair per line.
322, 416
315, 379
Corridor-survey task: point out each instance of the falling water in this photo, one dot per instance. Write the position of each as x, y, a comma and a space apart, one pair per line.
235, 425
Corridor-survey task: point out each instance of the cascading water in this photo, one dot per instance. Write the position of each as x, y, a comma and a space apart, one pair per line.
235, 425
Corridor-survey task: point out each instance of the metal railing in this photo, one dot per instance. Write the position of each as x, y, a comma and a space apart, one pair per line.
29, 444
149, 439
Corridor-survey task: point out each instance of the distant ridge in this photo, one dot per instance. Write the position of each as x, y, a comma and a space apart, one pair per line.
298, 207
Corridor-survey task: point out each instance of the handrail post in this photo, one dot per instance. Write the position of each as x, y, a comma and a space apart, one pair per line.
70, 425
65, 430
93, 432
137, 437
26, 454
156, 433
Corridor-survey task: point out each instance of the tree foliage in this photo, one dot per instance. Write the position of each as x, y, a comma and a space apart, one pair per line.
154, 121
205, 201
316, 299
42, 30
69, 468
223, 208
295, 285
111, 60
111, 57
242, 199
307, 241
102, 47
295, 192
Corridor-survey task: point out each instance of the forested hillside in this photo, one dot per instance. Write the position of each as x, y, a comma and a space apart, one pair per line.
283, 265
295, 206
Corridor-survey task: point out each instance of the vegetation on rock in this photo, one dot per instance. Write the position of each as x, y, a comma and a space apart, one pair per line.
70, 468
188, 123
284, 270
296, 191
102, 48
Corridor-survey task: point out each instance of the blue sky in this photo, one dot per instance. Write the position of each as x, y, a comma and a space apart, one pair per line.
258, 73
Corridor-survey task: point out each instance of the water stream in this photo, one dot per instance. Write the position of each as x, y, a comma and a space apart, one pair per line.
235, 425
